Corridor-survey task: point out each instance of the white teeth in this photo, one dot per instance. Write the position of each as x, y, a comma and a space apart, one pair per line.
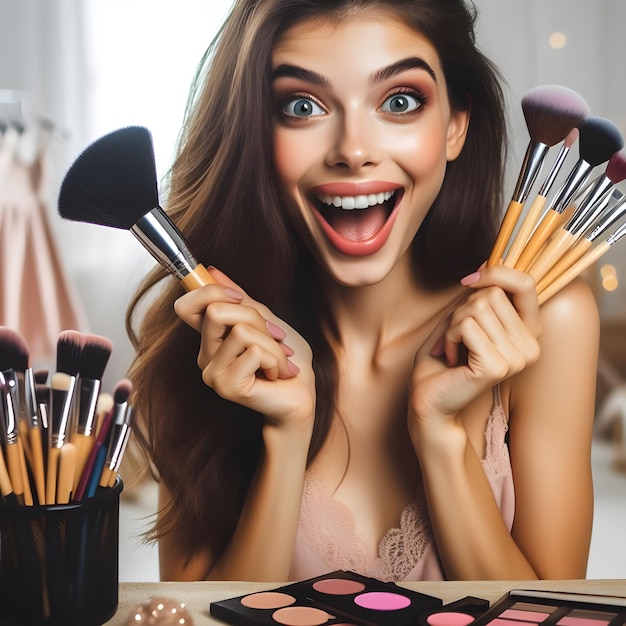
356, 202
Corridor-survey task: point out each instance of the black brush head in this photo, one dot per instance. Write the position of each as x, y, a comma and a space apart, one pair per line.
599, 140
551, 111
94, 356
122, 391
113, 182
69, 347
14, 351
41, 376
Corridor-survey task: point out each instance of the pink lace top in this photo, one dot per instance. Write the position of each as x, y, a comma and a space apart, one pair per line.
327, 541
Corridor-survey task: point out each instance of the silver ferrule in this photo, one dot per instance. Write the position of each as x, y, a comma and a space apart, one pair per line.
158, 234
617, 235
30, 398
591, 207
533, 160
119, 428
61, 412
579, 174
88, 390
554, 170
610, 217
9, 383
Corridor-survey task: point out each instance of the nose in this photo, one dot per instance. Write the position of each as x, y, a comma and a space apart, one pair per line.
354, 145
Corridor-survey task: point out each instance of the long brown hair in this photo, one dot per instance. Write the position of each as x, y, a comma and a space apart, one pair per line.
224, 196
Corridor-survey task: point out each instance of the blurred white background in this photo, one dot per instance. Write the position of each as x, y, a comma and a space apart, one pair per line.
91, 66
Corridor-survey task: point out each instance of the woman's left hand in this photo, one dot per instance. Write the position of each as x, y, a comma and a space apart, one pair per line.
489, 337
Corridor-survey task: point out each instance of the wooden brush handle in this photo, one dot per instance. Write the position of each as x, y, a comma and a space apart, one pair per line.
198, 277
525, 231
15, 469
573, 271
6, 488
507, 227
67, 469
84, 445
566, 261
37, 466
51, 476
28, 494
538, 238
106, 475
562, 241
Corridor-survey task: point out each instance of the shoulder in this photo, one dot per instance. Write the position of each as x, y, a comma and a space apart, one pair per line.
570, 317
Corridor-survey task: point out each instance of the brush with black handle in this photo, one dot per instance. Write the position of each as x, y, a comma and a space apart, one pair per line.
113, 183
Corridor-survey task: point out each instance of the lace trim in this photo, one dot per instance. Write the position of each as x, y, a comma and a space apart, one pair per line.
330, 529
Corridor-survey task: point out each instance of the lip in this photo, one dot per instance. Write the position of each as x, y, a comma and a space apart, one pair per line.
367, 246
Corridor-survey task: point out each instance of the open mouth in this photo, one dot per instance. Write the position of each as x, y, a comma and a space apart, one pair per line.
357, 218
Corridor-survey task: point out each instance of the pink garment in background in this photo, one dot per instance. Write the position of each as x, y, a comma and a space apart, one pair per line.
37, 298
326, 539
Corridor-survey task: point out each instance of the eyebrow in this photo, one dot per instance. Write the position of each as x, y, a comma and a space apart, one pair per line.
410, 63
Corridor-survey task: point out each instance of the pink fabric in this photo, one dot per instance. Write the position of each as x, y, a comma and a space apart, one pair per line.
327, 540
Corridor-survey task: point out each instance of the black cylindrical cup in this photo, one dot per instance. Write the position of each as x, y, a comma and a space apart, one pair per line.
59, 564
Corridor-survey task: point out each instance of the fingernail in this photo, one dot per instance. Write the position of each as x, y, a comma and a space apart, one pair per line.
288, 350
437, 349
293, 368
275, 331
233, 294
470, 279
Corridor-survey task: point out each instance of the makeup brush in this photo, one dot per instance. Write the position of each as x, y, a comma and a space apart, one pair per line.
10, 434
565, 237
62, 383
582, 264
43, 397
118, 439
15, 355
550, 111
534, 212
609, 217
113, 183
94, 357
96, 459
599, 139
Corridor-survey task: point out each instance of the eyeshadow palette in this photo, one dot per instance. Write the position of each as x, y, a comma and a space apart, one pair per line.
547, 608
338, 598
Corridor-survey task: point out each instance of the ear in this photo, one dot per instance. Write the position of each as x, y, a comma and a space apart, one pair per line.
457, 133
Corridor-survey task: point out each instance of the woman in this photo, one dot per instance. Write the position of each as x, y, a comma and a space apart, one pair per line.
340, 398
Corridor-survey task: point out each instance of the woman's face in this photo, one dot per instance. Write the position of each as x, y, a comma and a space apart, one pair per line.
363, 133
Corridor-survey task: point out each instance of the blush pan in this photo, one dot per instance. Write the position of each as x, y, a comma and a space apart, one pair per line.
548, 608
340, 598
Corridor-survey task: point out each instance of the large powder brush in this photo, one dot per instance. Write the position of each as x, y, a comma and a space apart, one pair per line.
113, 183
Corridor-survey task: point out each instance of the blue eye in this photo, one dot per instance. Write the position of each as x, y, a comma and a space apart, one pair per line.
401, 103
299, 106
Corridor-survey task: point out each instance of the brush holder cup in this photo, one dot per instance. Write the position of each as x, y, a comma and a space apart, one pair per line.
59, 564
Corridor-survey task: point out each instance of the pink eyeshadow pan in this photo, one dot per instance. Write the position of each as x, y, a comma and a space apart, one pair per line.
449, 619
338, 586
524, 616
508, 622
267, 600
382, 601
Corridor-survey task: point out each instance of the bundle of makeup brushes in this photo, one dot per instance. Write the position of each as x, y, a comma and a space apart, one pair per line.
113, 183
584, 218
64, 438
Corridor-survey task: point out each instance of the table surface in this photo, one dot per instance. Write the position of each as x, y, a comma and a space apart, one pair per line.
197, 596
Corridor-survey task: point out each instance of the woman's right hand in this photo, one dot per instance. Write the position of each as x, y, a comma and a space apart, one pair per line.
248, 355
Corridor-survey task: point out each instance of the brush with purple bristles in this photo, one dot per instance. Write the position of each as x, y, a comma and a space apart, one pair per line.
551, 112
599, 139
